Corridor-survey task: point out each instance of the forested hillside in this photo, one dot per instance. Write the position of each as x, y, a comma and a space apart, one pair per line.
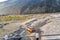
16, 7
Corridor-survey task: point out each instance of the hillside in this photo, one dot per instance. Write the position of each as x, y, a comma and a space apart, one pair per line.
16, 7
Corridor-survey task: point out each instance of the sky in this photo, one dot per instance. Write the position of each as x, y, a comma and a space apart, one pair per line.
2, 0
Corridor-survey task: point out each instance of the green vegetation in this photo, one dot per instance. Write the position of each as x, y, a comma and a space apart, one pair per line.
14, 18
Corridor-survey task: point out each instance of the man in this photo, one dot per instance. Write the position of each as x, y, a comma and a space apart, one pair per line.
6, 37
38, 34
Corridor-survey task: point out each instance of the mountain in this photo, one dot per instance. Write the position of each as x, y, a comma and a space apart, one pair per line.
52, 5
12, 6
43, 6
15, 7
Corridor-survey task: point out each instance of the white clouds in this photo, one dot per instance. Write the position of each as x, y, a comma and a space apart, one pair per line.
2, 0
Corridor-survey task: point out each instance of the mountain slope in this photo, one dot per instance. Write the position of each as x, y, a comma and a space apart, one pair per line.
17, 6
46, 6
12, 6
29, 6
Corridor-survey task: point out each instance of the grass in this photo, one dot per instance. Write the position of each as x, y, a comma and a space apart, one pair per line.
14, 18
20, 18
9, 18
